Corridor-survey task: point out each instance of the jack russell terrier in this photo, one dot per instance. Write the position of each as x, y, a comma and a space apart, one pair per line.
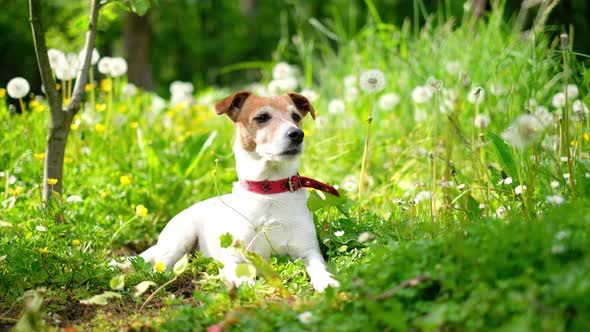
267, 209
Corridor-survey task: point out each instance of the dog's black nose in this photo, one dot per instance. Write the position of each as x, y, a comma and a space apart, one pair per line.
295, 135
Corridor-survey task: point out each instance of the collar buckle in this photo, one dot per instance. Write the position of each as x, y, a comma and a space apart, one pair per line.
292, 184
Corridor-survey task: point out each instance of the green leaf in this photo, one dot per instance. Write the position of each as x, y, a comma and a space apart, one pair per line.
142, 287
101, 299
245, 270
181, 265
226, 240
140, 7
504, 154
318, 200
266, 271
117, 282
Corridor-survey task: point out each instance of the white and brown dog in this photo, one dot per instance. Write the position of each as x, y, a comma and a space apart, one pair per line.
267, 209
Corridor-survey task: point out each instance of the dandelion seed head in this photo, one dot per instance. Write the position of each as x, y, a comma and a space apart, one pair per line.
350, 81
558, 100
18, 87
74, 199
388, 101
104, 65
372, 80
56, 57
453, 67
351, 93
545, 117
554, 184
310, 94
422, 94
526, 129
420, 115
118, 67
579, 107
282, 70
555, 199
477, 94
93, 59
279, 86
336, 106
481, 121
305, 317
129, 90
572, 91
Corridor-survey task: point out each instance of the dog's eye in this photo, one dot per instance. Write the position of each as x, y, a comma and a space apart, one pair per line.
262, 118
296, 117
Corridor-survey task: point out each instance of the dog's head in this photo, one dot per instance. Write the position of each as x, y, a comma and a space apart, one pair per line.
268, 126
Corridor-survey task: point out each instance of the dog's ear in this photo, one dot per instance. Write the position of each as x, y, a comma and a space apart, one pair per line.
302, 104
231, 105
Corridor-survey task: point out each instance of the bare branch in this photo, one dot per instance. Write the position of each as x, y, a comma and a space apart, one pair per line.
408, 283
78, 93
55, 102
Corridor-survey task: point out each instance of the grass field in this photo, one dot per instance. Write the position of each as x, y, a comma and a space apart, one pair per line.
475, 214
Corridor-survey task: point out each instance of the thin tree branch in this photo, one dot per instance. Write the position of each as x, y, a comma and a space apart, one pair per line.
408, 283
78, 93
55, 102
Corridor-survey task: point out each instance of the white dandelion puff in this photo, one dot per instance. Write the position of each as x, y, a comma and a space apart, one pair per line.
555, 199
351, 93
525, 130
336, 106
453, 67
579, 107
74, 199
558, 100
282, 70
422, 94
305, 317
310, 94
350, 81
372, 80
118, 67
55, 57
554, 184
481, 121
18, 87
477, 94
388, 101
572, 91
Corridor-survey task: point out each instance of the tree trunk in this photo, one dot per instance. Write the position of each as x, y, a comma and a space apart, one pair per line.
57, 138
137, 47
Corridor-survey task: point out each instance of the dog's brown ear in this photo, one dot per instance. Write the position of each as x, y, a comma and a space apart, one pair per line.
231, 105
302, 104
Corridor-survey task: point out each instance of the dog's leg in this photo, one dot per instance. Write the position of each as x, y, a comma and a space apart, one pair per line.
317, 271
228, 272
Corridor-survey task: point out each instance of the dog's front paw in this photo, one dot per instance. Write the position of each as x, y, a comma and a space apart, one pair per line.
125, 266
321, 282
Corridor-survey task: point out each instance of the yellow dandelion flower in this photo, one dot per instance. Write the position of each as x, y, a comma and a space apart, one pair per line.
101, 107
574, 143
15, 191
76, 242
44, 251
125, 180
105, 85
39, 109
66, 101
39, 156
74, 126
57, 86
141, 210
134, 124
180, 138
100, 128
34, 103
586, 137
52, 181
122, 108
68, 160
88, 87
2, 92
159, 267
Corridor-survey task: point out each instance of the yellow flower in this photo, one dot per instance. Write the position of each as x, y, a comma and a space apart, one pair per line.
125, 180
74, 126
2, 92
76, 242
39, 109
44, 251
34, 103
39, 156
105, 85
104, 194
57, 86
159, 267
101, 107
68, 160
88, 87
66, 101
15, 191
141, 210
574, 143
100, 128
51, 181
586, 137
122, 108
134, 124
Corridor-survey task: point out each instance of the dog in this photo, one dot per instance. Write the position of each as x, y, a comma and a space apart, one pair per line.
267, 209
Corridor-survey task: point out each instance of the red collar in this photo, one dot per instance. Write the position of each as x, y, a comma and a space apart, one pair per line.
291, 184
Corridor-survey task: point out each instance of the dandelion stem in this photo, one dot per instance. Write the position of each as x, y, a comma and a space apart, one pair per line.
565, 138
26, 121
365, 160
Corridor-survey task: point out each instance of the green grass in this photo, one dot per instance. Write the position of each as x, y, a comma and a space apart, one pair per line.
458, 264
